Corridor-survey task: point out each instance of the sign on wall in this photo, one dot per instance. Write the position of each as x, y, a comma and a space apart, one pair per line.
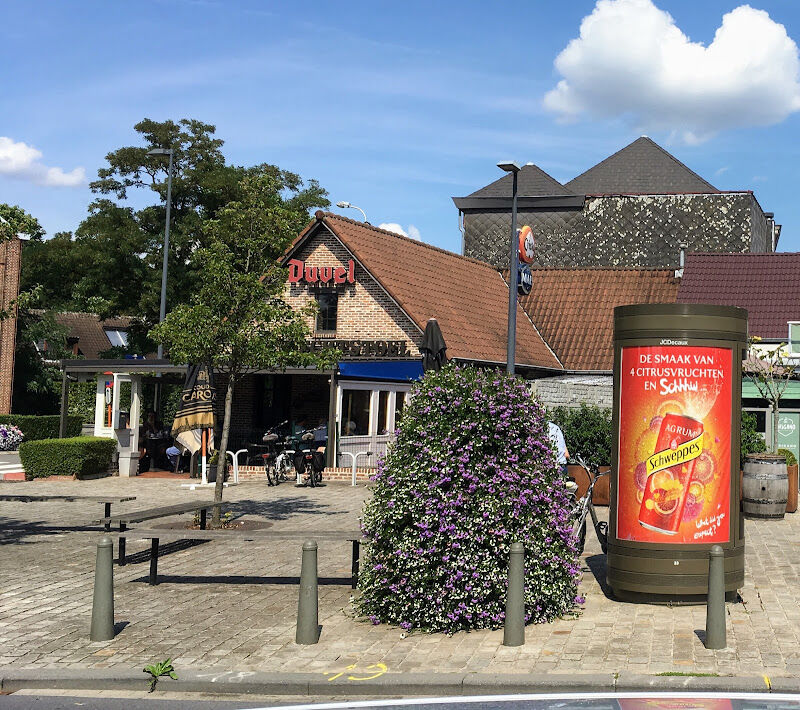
300, 271
789, 432
674, 444
365, 348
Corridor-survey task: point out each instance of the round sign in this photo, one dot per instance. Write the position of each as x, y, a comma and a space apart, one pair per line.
526, 245
524, 280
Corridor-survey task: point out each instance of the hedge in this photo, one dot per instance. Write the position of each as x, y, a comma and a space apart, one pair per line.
79, 456
587, 432
35, 426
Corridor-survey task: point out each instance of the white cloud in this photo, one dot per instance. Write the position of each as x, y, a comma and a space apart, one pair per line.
411, 232
632, 60
20, 160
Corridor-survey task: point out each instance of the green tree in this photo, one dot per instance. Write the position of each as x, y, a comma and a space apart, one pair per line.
236, 319
112, 265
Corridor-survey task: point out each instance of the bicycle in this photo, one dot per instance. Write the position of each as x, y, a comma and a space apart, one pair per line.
277, 464
309, 462
583, 506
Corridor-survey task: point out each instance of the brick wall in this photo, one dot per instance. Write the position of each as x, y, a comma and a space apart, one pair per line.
573, 390
630, 230
256, 473
365, 312
10, 255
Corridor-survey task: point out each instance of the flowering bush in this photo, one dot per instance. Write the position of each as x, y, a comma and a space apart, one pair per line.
471, 471
10, 437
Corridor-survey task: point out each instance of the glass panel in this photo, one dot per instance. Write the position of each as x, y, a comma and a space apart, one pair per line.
794, 337
355, 412
383, 411
399, 403
117, 338
326, 316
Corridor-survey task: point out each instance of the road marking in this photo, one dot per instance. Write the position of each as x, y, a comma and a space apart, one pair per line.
378, 668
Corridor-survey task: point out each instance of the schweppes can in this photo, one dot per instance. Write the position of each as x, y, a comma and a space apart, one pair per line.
669, 473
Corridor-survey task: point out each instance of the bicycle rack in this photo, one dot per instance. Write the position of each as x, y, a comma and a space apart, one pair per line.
354, 460
235, 460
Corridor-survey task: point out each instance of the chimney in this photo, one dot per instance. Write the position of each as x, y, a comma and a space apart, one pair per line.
682, 261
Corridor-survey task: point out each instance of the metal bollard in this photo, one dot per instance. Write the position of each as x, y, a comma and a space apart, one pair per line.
308, 603
103, 602
514, 629
715, 607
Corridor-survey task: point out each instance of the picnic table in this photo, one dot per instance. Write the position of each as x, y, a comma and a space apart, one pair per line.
138, 516
107, 501
155, 536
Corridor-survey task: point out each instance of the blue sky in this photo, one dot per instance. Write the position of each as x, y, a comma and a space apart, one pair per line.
397, 107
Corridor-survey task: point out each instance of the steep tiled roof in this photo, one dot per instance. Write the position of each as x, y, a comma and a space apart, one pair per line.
469, 298
641, 167
532, 181
574, 308
767, 285
90, 331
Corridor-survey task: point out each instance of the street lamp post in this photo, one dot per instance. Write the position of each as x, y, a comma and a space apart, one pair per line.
347, 205
513, 168
163, 310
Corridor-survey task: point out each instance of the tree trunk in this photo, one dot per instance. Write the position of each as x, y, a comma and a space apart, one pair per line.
222, 457
775, 413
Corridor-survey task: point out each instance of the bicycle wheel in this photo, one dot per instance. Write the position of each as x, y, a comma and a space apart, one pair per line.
272, 478
317, 475
582, 537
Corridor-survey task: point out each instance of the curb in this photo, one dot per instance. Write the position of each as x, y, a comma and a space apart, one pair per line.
389, 684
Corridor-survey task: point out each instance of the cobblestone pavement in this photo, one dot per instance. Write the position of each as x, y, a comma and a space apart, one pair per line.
214, 610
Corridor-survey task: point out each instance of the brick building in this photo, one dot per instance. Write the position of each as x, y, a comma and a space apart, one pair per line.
635, 208
10, 260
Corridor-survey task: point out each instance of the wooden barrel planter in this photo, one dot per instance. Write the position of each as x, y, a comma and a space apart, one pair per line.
765, 486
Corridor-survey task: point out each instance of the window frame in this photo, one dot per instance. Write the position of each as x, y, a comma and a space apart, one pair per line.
318, 323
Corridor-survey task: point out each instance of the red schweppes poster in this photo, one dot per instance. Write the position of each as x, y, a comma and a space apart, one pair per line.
674, 444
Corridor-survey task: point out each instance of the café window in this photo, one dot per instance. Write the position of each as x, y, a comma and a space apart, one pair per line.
328, 303
355, 412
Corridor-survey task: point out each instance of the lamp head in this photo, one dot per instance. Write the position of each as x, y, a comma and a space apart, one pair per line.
509, 166
160, 151
343, 204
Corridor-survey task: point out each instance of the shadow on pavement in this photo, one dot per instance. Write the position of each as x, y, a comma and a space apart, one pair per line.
133, 558
242, 579
14, 532
282, 508
598, 567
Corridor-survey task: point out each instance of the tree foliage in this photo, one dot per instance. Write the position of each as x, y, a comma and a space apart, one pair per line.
587, 431
471, 471
236, 319
112, 264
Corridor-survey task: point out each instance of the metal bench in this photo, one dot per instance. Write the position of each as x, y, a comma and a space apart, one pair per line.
139, 516
354, 537
105, 500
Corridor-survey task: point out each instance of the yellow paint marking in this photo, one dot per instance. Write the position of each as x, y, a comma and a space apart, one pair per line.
767, 681
379, 668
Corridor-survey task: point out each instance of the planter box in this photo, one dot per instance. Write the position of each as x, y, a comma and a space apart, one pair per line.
600, 496
791, 504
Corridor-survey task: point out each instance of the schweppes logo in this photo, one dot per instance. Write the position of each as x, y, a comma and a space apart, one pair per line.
668, 458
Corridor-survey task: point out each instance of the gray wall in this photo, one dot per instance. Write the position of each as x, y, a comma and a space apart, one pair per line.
629, 230
573, 390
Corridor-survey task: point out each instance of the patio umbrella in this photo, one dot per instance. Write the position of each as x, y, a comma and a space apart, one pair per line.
193, 427
433, 347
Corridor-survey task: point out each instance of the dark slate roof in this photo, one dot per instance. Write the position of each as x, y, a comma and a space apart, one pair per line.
767, 285
641, 167
532, 181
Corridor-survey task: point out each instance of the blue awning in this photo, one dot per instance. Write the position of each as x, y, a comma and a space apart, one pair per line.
396, 370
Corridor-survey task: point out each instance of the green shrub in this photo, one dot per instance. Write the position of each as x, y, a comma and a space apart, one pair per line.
81, 400
751, 441
471, 471
44, 426
79, 456
587, 431
791, 459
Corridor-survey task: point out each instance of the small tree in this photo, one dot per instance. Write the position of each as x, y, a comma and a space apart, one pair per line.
236, 320
770, 370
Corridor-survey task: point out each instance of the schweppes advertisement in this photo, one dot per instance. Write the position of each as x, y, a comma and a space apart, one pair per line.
674, 444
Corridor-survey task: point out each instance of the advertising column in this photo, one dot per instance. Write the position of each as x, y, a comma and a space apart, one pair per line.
675, 473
